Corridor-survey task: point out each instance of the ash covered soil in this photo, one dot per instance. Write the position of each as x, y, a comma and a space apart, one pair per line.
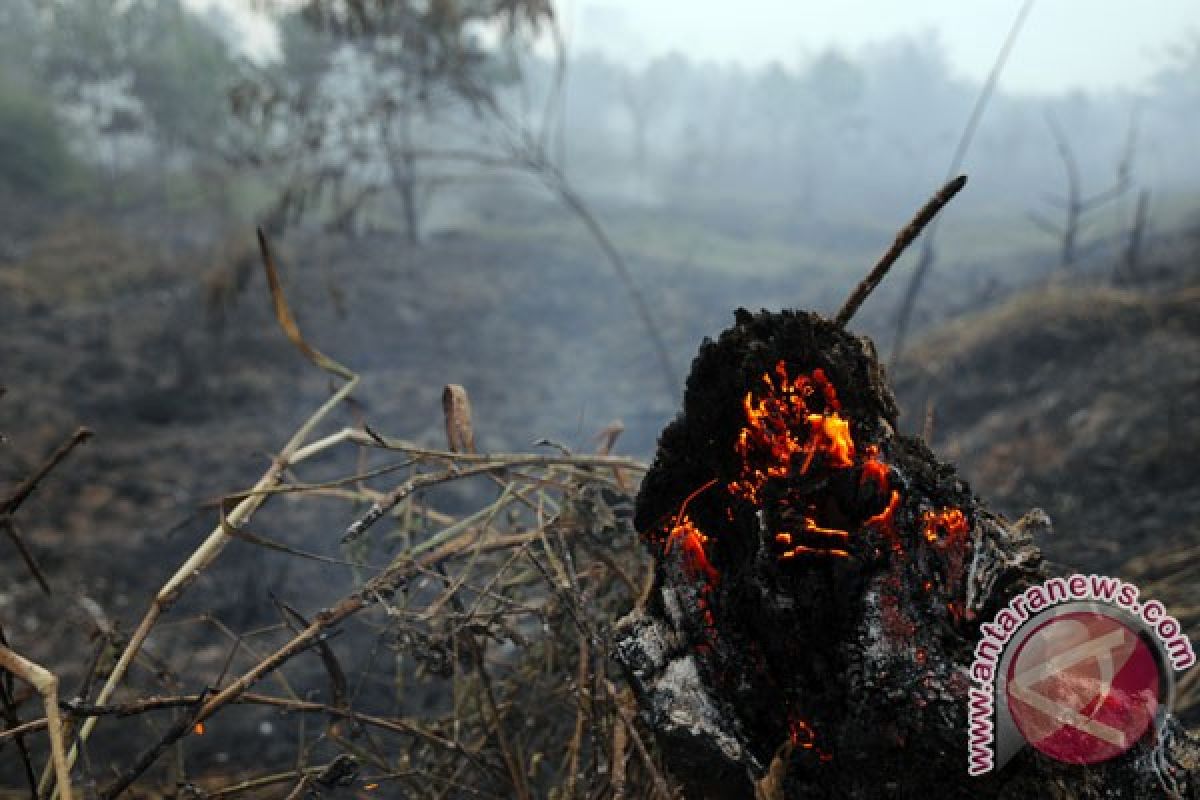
1078, 398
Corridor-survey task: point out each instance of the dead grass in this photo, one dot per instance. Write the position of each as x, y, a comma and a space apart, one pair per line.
78, 260
1059, 315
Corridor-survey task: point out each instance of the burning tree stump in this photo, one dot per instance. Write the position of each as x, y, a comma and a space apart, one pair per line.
820, 581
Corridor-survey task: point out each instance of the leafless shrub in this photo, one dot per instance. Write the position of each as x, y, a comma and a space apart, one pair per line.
501, 613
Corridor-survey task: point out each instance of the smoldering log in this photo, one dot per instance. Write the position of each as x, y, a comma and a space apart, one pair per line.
820, 582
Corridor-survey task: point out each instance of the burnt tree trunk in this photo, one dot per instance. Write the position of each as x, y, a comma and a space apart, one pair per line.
820, 583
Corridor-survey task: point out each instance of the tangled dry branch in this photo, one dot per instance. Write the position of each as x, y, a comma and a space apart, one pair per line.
498, 618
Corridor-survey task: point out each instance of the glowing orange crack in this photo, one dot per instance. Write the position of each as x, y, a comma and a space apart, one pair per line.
782, 424
770, 439
945, 526
692, 540
874, 470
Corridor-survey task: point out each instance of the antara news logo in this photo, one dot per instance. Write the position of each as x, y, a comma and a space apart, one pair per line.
1078, 667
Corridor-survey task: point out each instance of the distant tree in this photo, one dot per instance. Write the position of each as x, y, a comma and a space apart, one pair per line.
1129, 268
34, 158
827, 95
910, 79
1075, 205
1178, 81
20, 28
399, 91
146, 71
646, 94
777, 100
414, 94
182, 71
836, 82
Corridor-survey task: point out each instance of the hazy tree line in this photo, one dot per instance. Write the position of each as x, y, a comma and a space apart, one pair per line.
118, 88
386, 116
836, 135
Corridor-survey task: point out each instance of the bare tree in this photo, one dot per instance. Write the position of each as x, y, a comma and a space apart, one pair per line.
1131, 263
1075, 204
418, 103
363, 89
639, 104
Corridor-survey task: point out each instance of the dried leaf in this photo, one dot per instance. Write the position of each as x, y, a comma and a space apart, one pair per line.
283, 313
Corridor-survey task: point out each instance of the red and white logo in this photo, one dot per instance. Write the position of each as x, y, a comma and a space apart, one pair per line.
1083, 687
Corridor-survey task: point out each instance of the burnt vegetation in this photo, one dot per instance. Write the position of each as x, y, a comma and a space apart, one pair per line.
399, 550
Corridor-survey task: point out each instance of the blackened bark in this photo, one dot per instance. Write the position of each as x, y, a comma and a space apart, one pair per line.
835, 603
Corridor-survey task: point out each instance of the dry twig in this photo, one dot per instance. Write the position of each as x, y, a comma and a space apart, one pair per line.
903, 239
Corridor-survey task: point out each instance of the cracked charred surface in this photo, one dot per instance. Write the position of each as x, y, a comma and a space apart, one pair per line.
820, 580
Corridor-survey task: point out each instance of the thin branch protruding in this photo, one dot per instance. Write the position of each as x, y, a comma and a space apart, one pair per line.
25, 488
904, 238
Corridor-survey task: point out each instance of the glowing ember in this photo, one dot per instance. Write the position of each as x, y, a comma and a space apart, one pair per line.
799, 419
790, 425
874, 470
781, 424
885, 521
198, 729
801, 733
692, 541
947, 531
944, 527
811, 527
817, 551
793, 426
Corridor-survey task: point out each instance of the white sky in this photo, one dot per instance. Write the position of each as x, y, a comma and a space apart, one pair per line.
1065, 44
